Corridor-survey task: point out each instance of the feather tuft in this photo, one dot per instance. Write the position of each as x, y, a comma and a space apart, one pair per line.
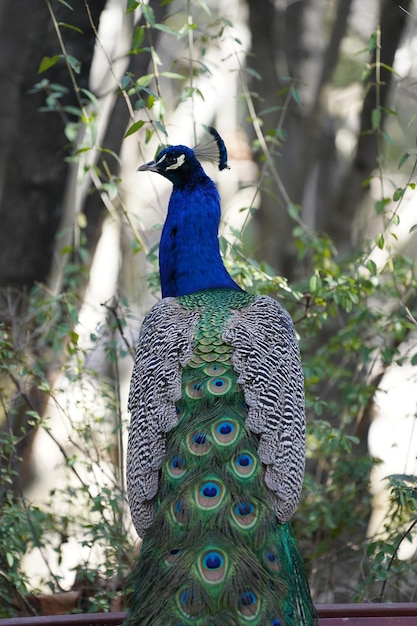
212, 148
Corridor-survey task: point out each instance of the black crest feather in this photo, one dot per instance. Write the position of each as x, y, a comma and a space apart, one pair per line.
212, 149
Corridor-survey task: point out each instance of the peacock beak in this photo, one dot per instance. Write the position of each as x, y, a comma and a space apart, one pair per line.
152, 166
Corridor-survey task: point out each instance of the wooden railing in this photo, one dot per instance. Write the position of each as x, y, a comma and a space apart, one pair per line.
329, 615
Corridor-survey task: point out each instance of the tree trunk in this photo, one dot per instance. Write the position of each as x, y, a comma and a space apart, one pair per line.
32, 154
342, 208
288, 48
33, 174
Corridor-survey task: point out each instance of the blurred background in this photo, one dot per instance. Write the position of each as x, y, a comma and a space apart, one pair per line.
317, 102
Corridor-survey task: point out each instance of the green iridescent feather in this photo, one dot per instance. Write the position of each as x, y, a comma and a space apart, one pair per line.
214, 552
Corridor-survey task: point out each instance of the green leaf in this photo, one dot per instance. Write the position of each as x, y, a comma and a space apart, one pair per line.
73, 63
365, 73
155, 57
253, 72
90, 96
381, 204
148, 135
111, 188
71, 461
47, 62
403, 159
131, 5
125, 82
272, 109
204, 6
150, 100
372, 267
372, 41
293, 211
315, 283
148, 14
380, 241
387, 137
390, 69
376, 118
224, 246
414, 359
66, 4
138, 36
172, 75
71, 27
387, 109
166, 29
136, 126
161, 128
71, 130
73, 110
295, 95
398, 194
144, 80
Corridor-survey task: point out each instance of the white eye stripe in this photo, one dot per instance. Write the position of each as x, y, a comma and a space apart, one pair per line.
180, 160
161, 159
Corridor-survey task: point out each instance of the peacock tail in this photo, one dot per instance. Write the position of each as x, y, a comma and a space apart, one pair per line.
215, 464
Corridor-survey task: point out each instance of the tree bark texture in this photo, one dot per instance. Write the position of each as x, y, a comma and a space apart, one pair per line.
33, 147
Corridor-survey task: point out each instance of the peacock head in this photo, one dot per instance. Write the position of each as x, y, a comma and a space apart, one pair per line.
179, 163
175, 163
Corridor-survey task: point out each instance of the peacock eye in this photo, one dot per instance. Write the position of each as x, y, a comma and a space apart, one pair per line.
173, 162
170, 159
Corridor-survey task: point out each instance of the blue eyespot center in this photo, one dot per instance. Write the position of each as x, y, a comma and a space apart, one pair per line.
244, 508
210, 490
244, 460
177, 462
199, 439
225, 428
248, 598
213, 560
187, 597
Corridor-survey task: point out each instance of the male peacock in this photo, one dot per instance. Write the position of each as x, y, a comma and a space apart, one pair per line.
217, 439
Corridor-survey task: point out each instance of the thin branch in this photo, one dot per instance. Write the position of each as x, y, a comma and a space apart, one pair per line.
75, 86
391, 561
113, 310
56, 442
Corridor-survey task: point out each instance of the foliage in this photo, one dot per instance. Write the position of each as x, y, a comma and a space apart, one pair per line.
352, 313
382, 567
87, 507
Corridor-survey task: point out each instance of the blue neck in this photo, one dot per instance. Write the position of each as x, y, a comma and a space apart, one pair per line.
189, 254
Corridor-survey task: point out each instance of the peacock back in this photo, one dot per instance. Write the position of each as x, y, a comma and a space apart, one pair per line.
215, 464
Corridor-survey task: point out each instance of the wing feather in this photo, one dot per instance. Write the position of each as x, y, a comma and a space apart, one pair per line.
266, 357
164, 347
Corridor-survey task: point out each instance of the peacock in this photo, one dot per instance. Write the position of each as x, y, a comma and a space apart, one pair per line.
216, 448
